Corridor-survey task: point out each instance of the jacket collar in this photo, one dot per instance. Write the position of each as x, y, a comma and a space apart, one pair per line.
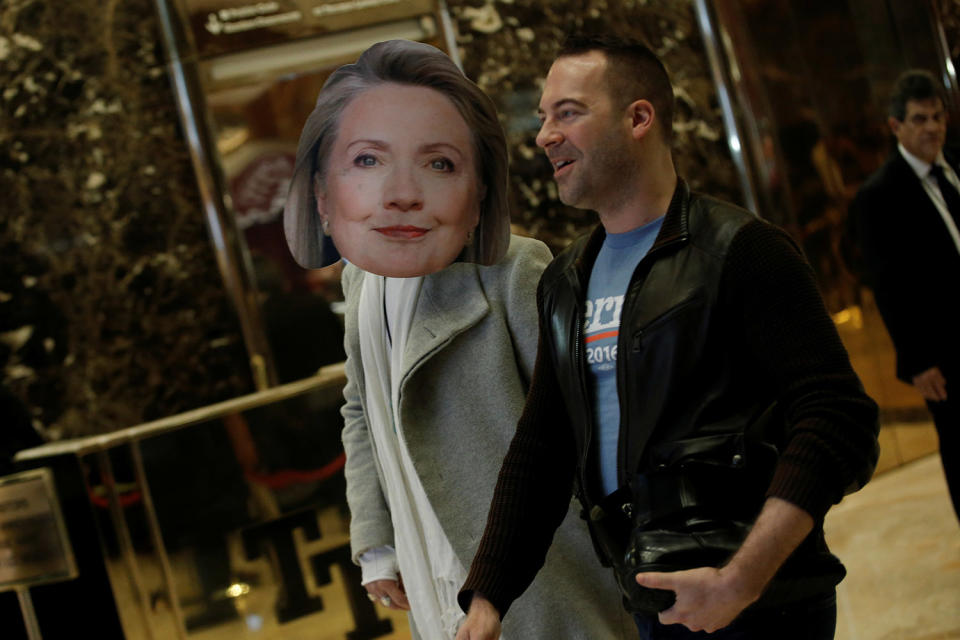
897, 162
676, 223
451, 302
901, 173
675, 229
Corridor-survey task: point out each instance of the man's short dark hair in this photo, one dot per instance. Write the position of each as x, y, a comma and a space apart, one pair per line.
915, 84
634, 72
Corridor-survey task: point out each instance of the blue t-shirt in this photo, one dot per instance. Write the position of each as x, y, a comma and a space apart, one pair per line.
609, 279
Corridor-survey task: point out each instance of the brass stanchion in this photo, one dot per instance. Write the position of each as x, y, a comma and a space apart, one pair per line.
29, 615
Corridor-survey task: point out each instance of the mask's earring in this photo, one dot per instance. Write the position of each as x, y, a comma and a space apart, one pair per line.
318, 194
469, 237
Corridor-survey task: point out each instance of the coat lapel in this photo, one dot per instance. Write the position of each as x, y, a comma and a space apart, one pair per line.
916, 214
908, 183
451, 301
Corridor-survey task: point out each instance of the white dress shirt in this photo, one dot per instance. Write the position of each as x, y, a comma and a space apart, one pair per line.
922, 169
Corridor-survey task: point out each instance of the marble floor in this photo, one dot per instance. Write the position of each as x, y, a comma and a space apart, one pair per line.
900, 541
898, 537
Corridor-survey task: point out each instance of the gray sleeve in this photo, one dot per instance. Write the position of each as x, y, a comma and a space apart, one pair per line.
370, 524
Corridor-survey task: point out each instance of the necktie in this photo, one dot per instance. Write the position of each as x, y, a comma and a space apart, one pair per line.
949, 192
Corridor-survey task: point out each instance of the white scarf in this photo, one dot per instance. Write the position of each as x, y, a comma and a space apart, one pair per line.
432, 573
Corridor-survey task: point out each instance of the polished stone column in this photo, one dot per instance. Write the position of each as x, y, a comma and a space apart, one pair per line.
112, 311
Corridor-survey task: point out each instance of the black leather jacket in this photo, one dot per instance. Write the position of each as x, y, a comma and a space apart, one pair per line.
726, 356
689, 389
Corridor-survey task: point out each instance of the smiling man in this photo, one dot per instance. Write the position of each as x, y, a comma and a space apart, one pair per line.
906, 218
690, 388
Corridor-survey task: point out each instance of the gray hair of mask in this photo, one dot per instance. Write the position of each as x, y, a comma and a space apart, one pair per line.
408, 63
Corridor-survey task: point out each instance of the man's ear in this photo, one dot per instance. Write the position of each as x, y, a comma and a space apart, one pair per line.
481, 191
894, 125
642, 117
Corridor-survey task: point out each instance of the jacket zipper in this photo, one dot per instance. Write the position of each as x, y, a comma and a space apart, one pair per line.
623, 436
622, 449
577, 284
588, 413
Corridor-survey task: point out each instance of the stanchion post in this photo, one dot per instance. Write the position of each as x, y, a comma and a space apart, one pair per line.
29, 615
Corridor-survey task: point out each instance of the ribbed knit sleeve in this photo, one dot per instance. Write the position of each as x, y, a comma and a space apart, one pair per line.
831, 440
531, 498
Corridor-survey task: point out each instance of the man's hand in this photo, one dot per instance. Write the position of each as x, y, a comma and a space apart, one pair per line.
482, 621
707, 599
381, 590
931, 384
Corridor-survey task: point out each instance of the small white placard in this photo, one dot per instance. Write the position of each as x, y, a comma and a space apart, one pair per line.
34, 548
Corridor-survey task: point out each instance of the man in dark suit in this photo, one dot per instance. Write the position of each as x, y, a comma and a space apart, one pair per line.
906, 219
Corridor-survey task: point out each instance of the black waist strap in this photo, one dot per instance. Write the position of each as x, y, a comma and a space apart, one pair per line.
663, 496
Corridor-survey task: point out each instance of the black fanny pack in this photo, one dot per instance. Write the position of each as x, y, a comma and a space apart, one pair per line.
694, 511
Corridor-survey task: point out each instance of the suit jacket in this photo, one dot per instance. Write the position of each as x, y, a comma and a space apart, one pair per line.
467, 365
912, 264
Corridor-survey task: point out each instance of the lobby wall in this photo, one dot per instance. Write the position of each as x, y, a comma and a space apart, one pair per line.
112, 310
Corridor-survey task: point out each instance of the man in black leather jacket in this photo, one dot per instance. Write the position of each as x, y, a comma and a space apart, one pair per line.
690, 387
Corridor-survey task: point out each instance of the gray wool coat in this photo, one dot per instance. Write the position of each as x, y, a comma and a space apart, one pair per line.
468, 362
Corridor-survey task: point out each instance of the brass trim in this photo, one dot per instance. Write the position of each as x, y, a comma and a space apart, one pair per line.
947, 69
327, 50
29, 614
230, 251
328, 377
712, 34
156, 537
125, 543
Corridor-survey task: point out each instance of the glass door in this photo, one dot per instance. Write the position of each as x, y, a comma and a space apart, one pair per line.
809, 82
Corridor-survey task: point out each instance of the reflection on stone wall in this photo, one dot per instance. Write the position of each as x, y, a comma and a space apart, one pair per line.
112, 310
507, 48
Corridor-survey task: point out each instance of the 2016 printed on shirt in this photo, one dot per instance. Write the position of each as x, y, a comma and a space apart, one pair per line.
601, 329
